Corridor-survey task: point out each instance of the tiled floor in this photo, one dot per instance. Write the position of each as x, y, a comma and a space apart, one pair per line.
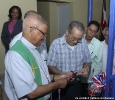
4, 97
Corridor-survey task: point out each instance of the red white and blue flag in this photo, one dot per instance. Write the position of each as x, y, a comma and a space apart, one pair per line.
97, 84
103, 17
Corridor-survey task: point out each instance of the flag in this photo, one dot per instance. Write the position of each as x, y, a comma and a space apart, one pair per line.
103, 17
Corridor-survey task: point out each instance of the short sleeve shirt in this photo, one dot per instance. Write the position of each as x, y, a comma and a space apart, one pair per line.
64, 58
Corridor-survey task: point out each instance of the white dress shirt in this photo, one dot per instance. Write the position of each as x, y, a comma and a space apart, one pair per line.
19, 78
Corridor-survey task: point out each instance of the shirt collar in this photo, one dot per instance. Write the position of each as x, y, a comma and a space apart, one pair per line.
62, 39
104, 42
27, 43
92, 41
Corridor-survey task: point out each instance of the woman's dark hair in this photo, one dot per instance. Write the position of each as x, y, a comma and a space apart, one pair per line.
19, 10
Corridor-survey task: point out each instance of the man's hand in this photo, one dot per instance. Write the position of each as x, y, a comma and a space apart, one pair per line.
69, 76
1, 90
66, 75
62, 83
57, 77
84, 72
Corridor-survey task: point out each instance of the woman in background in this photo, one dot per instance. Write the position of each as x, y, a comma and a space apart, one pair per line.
12, 27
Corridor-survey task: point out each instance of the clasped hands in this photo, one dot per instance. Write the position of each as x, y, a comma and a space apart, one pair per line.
66, 77
83, 72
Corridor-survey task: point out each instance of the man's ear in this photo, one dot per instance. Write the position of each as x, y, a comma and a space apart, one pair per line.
66, 32
31, 31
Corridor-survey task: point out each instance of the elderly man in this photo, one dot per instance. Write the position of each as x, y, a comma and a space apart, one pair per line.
67, 54
26, 74
42, 48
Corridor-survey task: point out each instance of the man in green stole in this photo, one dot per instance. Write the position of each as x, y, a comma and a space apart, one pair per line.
26, 74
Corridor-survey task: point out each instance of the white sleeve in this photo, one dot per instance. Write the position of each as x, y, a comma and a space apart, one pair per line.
20, 74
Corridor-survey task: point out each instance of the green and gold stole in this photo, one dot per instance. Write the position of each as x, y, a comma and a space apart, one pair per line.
29, 58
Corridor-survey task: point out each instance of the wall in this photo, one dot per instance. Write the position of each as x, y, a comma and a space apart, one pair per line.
44, 10
49, 11
25, 5
80, 10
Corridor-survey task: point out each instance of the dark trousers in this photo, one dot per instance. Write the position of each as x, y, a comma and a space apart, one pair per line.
84, 90
71, 92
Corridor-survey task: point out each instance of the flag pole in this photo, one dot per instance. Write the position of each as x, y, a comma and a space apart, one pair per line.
90, 2
109, 76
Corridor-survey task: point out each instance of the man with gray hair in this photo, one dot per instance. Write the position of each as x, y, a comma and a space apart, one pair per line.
26, 74
42, 48
17, 37
67, 54
29, 13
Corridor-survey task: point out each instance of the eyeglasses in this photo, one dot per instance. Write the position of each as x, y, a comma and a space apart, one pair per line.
75, 39
40, 31
91, 30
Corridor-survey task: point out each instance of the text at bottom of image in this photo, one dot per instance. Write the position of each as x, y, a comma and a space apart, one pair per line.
109, 98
